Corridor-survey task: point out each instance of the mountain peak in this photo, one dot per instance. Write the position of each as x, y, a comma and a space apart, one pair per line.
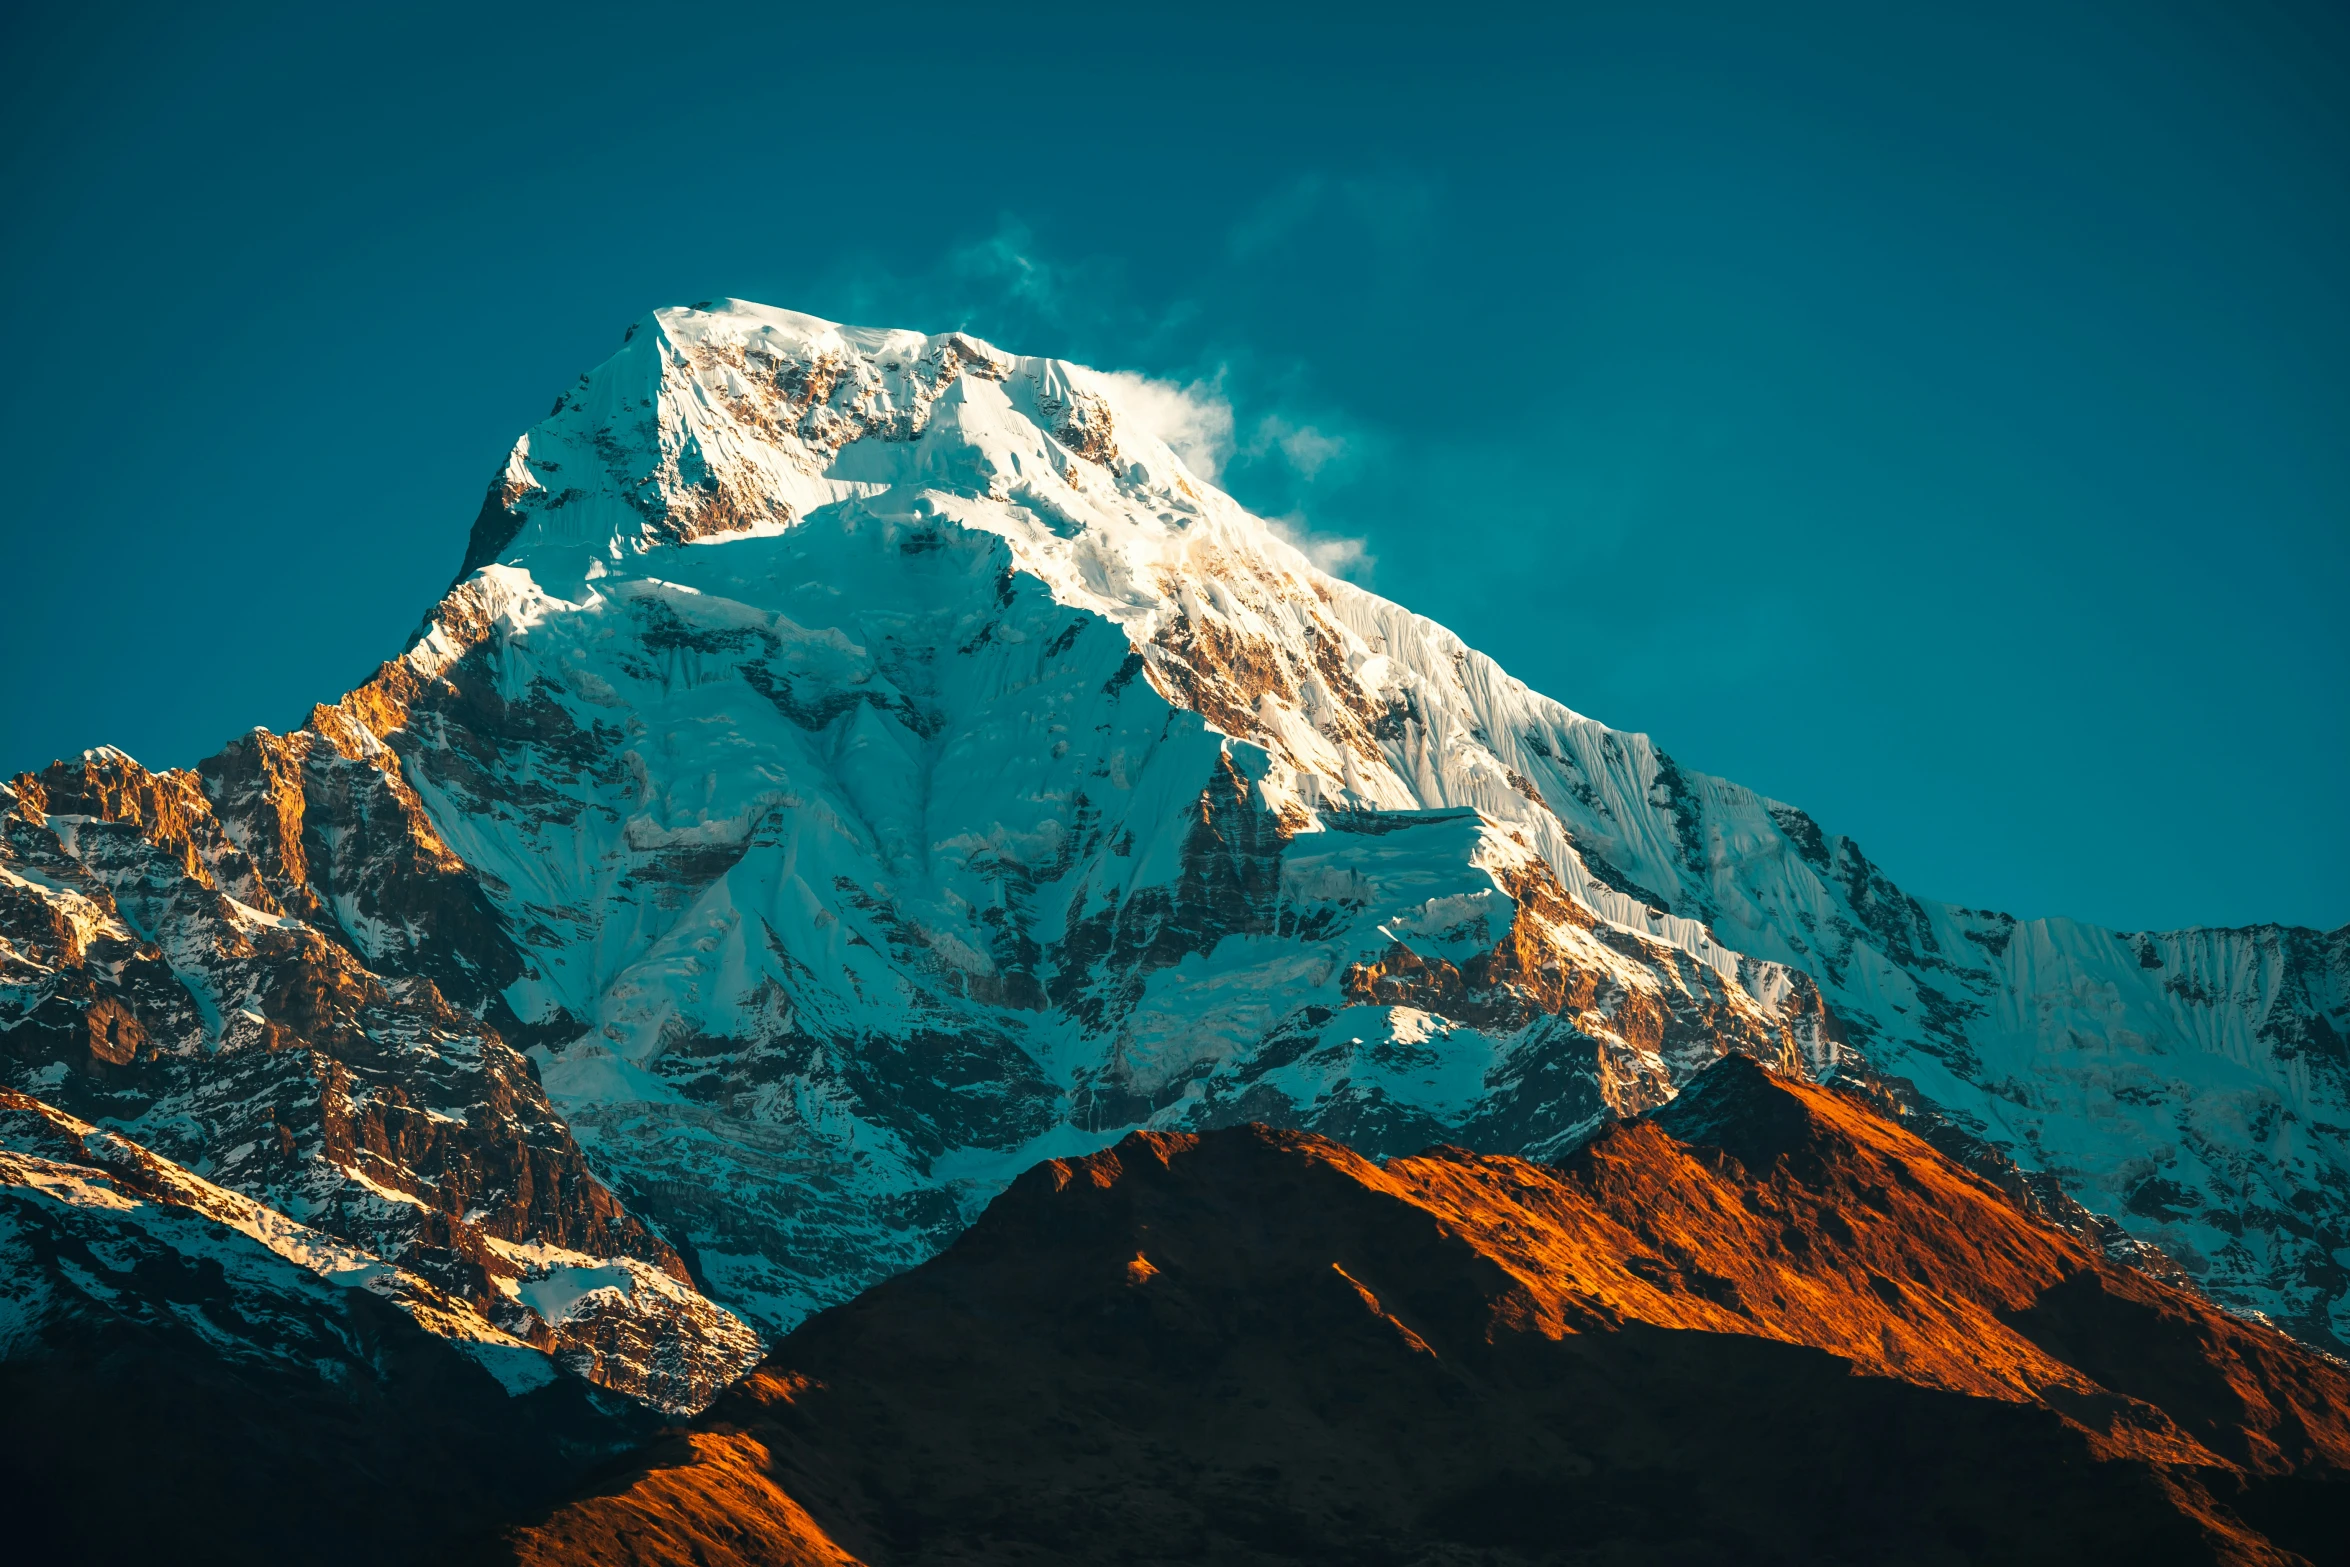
1740, 1106
734, 418
817, 693
859, 766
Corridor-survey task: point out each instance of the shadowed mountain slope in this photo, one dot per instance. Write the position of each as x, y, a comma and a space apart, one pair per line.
189, 1376
1761, 1324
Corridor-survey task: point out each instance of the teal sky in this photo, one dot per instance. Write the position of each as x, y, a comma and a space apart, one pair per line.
1937, 417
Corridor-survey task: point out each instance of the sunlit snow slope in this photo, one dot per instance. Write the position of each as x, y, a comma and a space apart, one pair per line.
890, 766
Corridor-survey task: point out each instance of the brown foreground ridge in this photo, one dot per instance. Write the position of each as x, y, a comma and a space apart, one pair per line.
1762, 1324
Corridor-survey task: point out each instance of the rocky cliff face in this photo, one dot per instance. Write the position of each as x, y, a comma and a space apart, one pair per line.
855, 765
152, 977
1760, 1324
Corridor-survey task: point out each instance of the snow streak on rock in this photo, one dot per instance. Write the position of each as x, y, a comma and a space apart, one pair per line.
138, 1216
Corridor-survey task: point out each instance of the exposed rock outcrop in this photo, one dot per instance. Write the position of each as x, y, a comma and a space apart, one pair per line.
152, 978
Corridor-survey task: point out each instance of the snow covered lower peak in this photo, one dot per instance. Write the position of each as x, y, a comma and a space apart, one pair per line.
881, 764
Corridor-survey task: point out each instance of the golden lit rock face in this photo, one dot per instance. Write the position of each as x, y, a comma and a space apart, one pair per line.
1762, 1323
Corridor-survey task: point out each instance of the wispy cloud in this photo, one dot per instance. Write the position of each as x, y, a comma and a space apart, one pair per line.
1341, 555
1229, 416
1194, 419
1005, 265
1307, 449
1392, 211
1017, 292
1197, 422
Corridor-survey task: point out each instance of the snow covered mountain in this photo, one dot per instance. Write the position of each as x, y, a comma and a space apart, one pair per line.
856, 765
